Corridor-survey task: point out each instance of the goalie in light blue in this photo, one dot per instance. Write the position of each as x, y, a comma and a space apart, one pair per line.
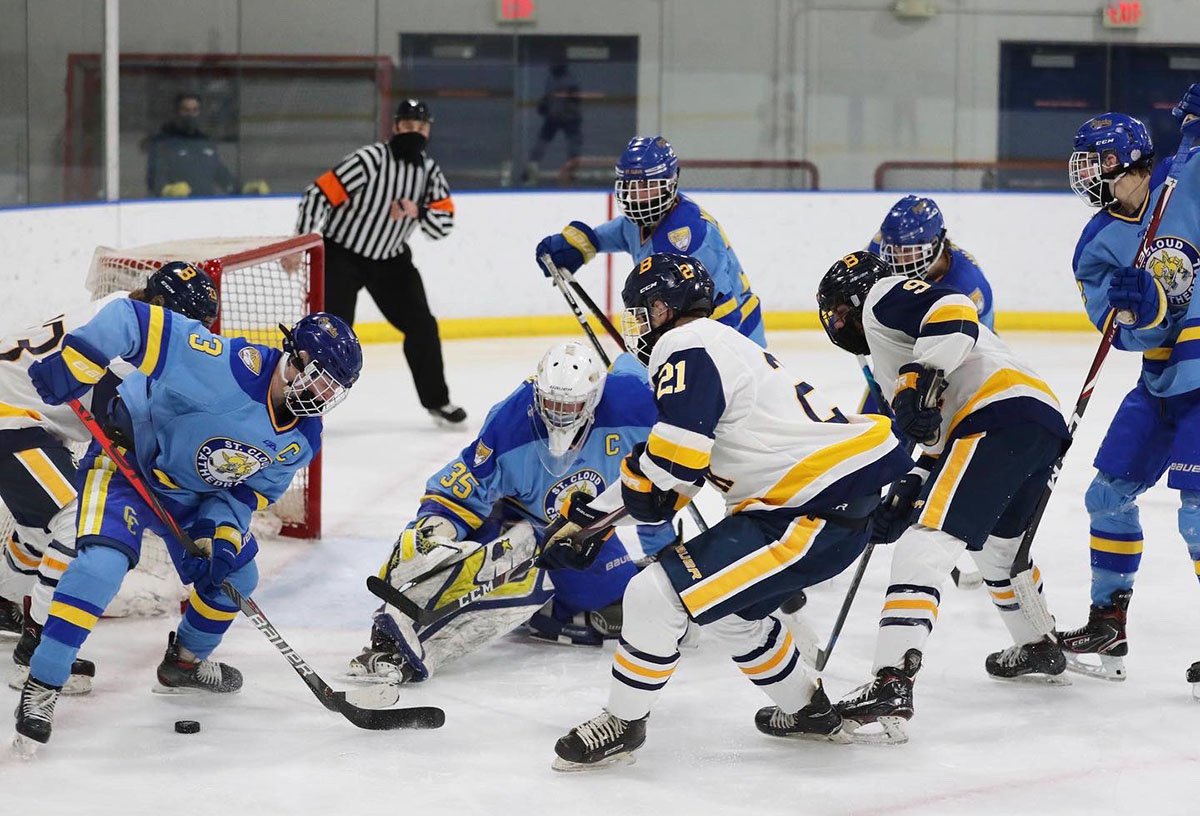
561, 435
216, 427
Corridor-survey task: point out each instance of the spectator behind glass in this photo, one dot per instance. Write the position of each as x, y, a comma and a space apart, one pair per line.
183, 161
561, 109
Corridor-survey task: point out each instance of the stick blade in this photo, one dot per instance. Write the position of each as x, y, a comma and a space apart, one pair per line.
392, 719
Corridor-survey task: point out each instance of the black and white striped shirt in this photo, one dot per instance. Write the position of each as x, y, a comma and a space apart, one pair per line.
351, 204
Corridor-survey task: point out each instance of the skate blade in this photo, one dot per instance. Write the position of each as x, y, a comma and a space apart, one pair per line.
76, 684
24, 748
1111, 668
840, 737
159, 688
616, 760
363, 679
891, 732
1035, 679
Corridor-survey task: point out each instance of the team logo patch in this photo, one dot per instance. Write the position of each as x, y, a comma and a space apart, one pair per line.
226, 462
252, 359
680, 238
977, 298
585, 481
1173, 261
482, 452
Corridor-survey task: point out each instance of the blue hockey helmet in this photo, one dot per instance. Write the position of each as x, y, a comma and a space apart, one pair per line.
663, 281
1106, 147
912, 236
841, 295
647, 180
327, 355
185, 288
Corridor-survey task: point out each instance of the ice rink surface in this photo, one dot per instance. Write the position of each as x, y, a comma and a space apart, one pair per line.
978, 746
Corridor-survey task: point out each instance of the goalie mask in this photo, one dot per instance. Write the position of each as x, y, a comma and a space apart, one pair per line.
840, 298
1106, 148
566, 389
912, 236
326, 353
647, 180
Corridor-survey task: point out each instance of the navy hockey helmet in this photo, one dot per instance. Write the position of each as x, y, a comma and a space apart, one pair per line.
679, 283
185, 288
647, 180
912, 236
413, 109
841, 294
1106, 147
327, 355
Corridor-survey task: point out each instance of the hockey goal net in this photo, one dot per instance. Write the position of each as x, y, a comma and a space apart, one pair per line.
261, 282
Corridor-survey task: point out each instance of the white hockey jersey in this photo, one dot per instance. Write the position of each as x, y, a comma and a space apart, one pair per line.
908, 320
20, 405
729, 412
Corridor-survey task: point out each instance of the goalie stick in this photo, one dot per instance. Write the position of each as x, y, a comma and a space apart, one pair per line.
389, 594
562, 278
366, 718
1021, 576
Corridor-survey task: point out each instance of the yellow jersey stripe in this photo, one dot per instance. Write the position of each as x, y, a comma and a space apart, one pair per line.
197, 603
641, 671
945, 314
20, 555
723, 309
71, 614
820, 462
915, 604
153, 340
7, 410
1108, 545
1161, 353
947, 480
457, 509
165, 479
1190, 333
43, 470
753, 568
1001, 381
749, 306
784, 650
679, 454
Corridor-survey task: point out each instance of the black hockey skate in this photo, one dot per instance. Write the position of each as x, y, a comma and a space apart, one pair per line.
10, 619
1193, 677
1040, 661
818, 720
602, 741
382, 662
1103, 636
886, 700
82, 671
448, 416
179, 676
35, 716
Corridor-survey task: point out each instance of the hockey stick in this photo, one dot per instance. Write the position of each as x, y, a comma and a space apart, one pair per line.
1021, 575
561, 278
423, 617
369, 719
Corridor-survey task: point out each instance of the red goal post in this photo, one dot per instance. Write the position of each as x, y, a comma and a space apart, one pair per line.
261, 282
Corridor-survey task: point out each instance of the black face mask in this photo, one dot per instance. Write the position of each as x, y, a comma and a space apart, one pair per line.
186, 123
407, 146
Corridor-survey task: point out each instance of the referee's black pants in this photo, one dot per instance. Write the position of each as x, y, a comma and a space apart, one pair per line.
395, 286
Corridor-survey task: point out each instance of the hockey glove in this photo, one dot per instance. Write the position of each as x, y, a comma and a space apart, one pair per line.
894, 515
1188, 111
176, 189
916, 404
647, 502
69, 373
574, 515
1136, 292
221, 545
569, 249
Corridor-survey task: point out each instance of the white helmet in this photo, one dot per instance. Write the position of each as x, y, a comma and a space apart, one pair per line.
566, 390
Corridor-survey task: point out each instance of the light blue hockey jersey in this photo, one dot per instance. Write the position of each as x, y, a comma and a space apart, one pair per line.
1170, 348
205, 435
963, 276
500, 476
689, 230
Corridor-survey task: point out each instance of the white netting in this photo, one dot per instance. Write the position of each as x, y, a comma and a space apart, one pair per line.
262, 282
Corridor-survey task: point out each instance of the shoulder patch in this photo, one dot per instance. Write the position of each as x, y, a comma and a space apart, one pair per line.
977, 298
680, 238
482, 452
251, 358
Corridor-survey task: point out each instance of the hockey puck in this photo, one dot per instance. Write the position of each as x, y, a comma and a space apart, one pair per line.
187, 727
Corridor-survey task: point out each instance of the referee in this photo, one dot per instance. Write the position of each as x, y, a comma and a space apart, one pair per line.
367, 208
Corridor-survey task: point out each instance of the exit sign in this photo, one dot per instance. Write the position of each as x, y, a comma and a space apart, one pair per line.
1123, 14
515, 11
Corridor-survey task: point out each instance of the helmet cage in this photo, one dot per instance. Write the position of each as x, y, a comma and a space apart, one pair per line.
313, 391
1093, 175
644, 201
913, 260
